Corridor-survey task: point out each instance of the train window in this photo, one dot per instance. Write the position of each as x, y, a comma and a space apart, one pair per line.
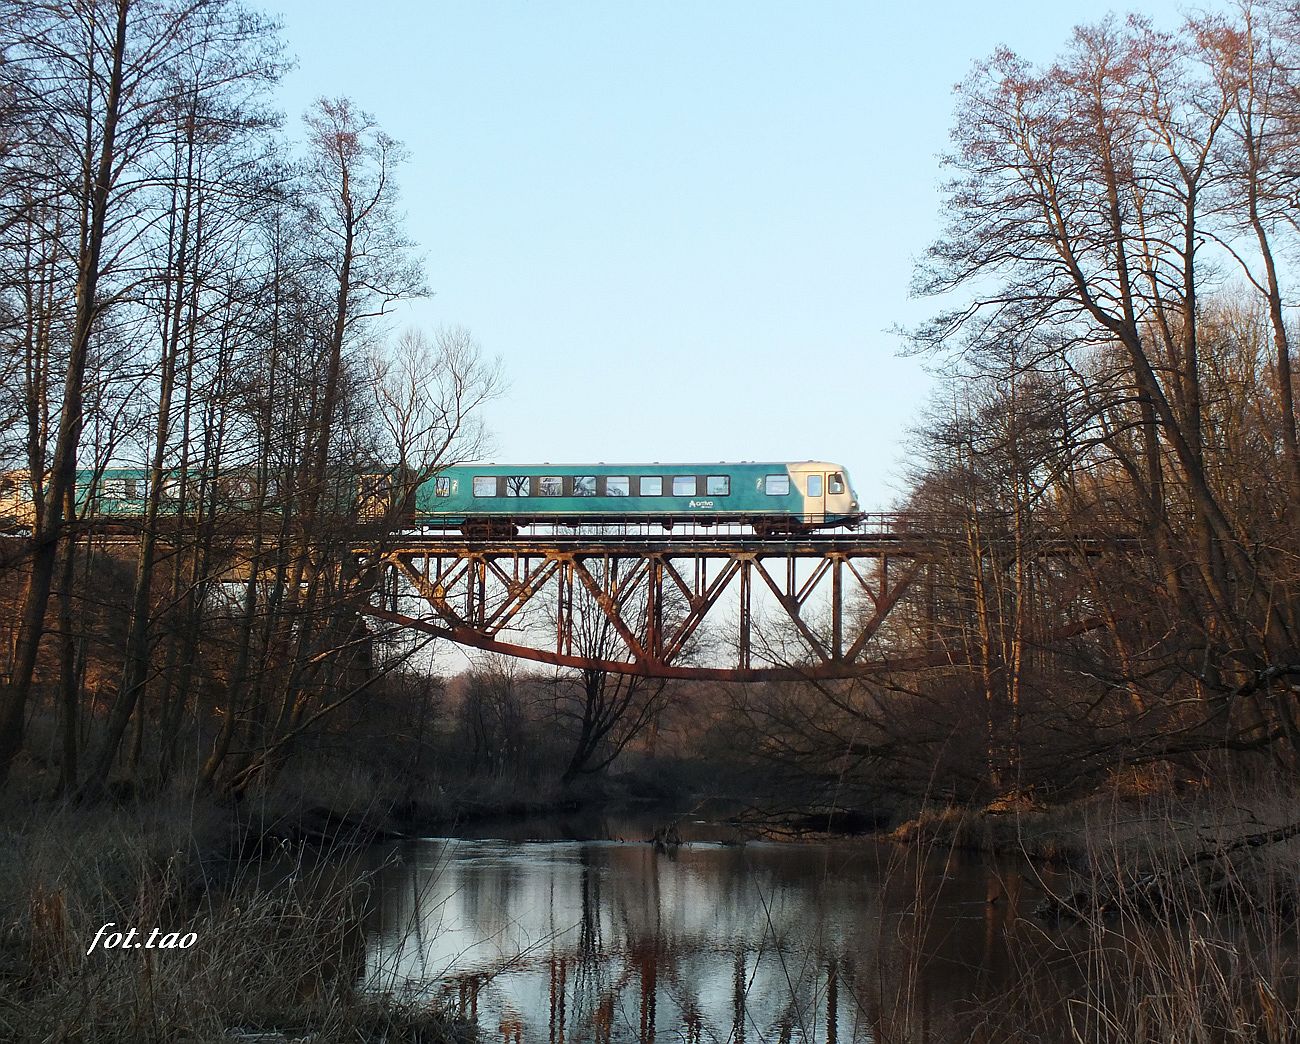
717, 485
485, 485
776, 485
814, 485
835, 483
442, 486
584, 485
652, 486
618, 486
683, 485
551, 486
114, 489
517, 485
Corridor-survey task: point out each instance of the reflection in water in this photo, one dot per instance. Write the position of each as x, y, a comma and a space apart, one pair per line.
583, 941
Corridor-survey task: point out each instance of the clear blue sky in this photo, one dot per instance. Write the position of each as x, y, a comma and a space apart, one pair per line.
687, 228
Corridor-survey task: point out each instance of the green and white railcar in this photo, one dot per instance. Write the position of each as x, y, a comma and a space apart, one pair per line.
122, 493
112, 493
770, 496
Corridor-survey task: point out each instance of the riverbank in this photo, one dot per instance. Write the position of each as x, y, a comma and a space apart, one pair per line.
248, 914
1235, 838
1144, 846
226, 944
1143, 853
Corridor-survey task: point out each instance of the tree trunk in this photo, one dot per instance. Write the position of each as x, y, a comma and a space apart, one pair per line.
13, 710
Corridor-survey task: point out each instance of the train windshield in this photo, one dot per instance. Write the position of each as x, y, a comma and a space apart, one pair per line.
835, 482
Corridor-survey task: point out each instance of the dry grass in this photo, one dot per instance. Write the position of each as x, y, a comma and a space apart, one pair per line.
1173, 932
1205, 954
278, 944
1168, 929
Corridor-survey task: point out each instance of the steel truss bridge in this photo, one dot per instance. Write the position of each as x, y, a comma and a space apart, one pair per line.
631, 599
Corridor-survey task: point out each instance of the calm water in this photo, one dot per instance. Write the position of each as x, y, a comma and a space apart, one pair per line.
570, 941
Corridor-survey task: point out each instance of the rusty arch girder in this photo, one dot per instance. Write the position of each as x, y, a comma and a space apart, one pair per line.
651, 598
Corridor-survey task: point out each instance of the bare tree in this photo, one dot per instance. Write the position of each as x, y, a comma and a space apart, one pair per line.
429, 398
355, 239
605, 711
219, 71
96, 80
1079, 212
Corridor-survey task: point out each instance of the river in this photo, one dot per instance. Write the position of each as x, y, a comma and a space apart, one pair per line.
557, 940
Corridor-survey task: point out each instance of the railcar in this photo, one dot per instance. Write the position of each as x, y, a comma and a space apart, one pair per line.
120, 495
117, 493
779, 496
111, 495
124, 492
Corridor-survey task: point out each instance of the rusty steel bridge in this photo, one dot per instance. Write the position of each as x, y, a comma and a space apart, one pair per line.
635, 599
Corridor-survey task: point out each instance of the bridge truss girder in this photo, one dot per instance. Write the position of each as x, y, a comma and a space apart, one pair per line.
650, 601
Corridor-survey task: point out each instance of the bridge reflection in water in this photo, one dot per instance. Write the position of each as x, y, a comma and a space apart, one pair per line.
581, 941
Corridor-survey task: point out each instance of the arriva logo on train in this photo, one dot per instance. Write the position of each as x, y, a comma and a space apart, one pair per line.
701, 503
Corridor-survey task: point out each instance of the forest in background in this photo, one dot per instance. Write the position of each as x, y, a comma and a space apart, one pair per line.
1112, 471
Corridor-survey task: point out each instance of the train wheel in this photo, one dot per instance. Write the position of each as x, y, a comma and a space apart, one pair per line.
769, 528
489, 529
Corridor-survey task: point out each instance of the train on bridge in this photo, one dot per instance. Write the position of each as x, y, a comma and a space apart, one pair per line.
498, 499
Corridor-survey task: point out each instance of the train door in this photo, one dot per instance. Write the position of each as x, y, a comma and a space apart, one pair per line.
814, 497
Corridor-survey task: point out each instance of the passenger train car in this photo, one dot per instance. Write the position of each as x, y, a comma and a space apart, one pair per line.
772, 497
120, 495
496, 499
